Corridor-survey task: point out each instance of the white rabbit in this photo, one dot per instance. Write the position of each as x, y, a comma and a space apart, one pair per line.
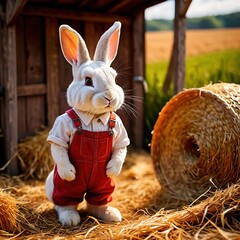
88, 142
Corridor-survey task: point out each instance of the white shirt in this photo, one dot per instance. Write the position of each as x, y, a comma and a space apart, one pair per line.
64, 129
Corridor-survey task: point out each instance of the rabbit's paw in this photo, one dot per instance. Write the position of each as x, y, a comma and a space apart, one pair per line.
105, 213
114, 167
68, 215
66, 171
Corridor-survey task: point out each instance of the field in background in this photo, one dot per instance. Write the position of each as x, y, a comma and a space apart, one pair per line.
211, 56
159, 44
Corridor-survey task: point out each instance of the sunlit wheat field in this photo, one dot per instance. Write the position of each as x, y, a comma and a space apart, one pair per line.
159, 44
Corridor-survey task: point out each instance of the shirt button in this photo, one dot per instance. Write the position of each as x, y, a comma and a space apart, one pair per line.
99, 120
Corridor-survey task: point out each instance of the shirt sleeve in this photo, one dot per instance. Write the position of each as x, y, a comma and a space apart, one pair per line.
60, 133
121, 137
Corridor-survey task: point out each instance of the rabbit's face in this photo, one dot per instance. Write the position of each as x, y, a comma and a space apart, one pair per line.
94, 88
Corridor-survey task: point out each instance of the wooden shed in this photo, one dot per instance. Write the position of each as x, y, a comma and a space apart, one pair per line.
34, 75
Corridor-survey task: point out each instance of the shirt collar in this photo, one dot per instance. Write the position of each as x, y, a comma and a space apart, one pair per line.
87, 117
104, 118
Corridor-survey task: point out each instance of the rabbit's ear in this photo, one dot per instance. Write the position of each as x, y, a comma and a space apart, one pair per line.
107, 46
73, 46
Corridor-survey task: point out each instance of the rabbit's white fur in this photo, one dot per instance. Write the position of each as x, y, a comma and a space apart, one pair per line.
95, 99
104, 96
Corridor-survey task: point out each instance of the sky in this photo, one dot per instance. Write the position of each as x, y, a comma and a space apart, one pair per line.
198, 8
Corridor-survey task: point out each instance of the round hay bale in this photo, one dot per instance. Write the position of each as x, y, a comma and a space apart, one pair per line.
196, 141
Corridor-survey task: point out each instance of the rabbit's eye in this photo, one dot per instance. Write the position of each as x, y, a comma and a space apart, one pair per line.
88, 81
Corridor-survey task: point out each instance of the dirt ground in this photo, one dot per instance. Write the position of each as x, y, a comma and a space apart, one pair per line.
159, 44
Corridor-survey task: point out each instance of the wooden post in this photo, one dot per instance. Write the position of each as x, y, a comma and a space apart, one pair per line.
138, 80
176, 68
169, 75
10, 101
2, 90
53, 88
179, 48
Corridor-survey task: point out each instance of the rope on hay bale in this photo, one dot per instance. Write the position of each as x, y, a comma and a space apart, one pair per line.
196, 141
34, 156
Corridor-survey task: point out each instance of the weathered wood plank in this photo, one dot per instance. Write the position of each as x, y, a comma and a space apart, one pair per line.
21, 73
93, 32
74, 15
90, 37
36, 117
11, 118
123, 64
2, 115
34, 31
65, 73
51, 30
31, 90
35, 72
139, 75
14, 9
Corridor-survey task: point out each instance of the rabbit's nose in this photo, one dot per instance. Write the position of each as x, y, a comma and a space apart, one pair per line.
109, 102
108, 99
108, 95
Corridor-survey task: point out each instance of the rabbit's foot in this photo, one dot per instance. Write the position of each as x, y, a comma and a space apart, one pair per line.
68, 215
105, 213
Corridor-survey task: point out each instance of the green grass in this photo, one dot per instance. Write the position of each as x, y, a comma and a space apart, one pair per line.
223, 66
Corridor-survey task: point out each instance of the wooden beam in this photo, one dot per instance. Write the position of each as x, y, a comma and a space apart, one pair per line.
136, 5
14, 9
118, 5
139, 75
74, 15
184, 8
82, 3
31, 90
53, 89
10, 100
147, 4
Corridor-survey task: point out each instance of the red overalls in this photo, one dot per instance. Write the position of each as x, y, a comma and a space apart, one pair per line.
89, 152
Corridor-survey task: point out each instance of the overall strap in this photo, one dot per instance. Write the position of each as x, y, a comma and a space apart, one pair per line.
77, 122
75, 118
111, 122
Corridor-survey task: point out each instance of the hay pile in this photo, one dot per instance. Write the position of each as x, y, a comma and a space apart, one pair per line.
196, 141
34, 156
9, 214
205, 220
138, 197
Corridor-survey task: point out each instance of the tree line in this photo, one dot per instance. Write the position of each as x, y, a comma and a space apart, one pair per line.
220, 21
